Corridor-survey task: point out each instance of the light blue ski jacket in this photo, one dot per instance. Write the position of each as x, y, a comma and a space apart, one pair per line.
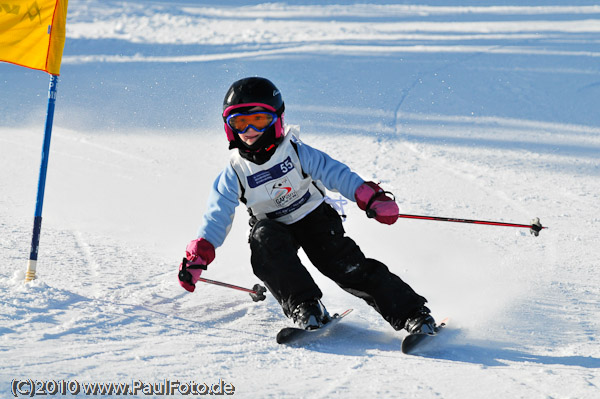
226, 190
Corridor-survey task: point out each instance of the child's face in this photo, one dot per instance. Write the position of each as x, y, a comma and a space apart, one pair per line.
250, 137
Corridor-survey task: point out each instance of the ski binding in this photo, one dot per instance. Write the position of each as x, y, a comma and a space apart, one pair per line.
291, 334
412, 342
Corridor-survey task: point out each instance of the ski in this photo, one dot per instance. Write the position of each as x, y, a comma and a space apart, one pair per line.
292, 334
419, 340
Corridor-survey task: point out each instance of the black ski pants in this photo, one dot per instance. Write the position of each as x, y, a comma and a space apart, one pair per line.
321, 235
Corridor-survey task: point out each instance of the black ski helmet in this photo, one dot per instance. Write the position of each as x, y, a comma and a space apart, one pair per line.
253, 92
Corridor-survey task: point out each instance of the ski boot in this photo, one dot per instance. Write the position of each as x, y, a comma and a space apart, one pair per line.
310, 315
420, 322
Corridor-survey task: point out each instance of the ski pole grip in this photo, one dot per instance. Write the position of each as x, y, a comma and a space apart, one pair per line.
185, 266
186, 276
371, 213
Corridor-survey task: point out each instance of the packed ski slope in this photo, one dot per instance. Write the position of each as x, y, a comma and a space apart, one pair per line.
462, 109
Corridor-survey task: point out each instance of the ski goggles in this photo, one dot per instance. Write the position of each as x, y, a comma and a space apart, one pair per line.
259, 121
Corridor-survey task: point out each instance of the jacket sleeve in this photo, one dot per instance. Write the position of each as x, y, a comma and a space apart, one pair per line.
334, 175
222, 201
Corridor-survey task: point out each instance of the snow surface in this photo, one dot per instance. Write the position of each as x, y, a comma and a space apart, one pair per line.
469, 109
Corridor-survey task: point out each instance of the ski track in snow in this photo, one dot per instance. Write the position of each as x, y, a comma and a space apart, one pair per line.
479, 112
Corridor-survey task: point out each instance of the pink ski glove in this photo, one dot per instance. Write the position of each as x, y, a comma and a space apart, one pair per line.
188, 277
198, 253
376, 202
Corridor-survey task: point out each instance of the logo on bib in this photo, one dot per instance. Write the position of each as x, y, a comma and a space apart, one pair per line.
282, 192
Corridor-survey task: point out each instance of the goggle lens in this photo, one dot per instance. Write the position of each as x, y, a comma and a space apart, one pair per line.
259, 121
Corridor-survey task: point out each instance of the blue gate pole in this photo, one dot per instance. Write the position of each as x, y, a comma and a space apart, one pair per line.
37, 221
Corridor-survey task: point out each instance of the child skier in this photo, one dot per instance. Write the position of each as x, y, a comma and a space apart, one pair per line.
282, 183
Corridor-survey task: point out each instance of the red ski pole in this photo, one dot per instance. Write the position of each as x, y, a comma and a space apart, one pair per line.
535, 227
257, 293
255, 290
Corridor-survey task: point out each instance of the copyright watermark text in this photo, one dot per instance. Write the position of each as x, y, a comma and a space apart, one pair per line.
31, 388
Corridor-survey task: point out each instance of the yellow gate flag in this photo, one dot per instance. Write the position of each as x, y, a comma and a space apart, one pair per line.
32, 33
